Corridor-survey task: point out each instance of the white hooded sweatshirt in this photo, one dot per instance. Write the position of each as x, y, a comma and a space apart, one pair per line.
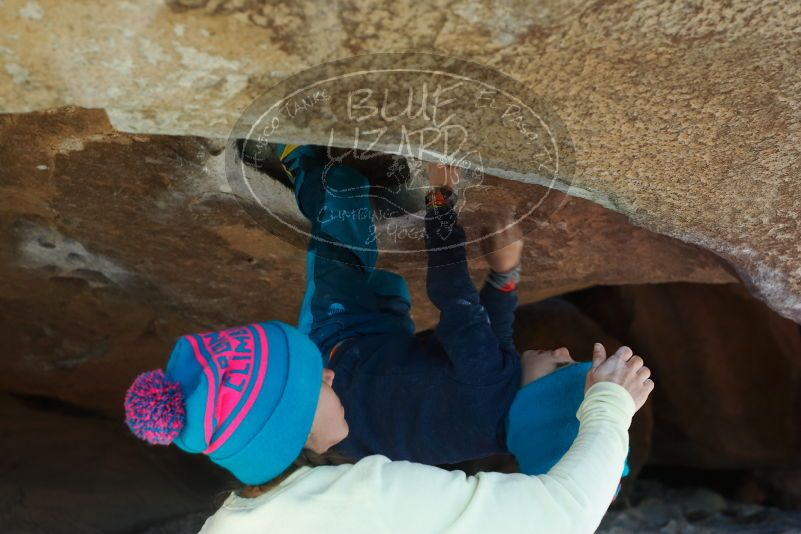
377, 495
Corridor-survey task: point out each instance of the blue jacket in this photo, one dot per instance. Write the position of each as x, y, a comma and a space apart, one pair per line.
440, 396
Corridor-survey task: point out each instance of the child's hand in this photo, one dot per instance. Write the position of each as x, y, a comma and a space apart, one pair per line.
503, 244
624, 368
440, 174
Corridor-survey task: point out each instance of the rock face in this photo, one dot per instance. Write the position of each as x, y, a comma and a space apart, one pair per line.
114, 244
66, 470
727, 371
119, 230
684, 118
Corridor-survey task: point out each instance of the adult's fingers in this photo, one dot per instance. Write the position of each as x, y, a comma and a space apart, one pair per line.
598, 355
624, 353
635, 362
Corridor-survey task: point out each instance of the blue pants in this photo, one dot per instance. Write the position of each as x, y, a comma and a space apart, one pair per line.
345, 295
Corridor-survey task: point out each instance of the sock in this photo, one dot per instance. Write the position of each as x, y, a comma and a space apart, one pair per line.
505, 282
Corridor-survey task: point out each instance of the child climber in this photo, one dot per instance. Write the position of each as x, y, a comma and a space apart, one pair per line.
439, 399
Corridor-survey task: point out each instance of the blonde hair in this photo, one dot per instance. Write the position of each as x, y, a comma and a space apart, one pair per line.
307, 458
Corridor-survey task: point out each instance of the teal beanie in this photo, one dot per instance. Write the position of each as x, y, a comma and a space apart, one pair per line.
245, 397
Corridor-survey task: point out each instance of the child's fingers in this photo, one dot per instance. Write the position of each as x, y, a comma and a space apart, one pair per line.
438, 174
598, 355
506, 223
562, 352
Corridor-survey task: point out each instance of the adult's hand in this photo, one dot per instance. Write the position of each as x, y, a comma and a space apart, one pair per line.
623, 368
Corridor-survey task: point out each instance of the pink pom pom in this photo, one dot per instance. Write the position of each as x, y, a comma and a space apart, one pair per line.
154, 408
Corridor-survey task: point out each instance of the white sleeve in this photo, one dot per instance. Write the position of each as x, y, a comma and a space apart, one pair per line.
572, 497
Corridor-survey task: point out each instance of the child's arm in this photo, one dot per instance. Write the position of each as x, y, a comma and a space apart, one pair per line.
464, 328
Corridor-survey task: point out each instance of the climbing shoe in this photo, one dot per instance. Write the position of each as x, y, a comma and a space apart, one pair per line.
268, 158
